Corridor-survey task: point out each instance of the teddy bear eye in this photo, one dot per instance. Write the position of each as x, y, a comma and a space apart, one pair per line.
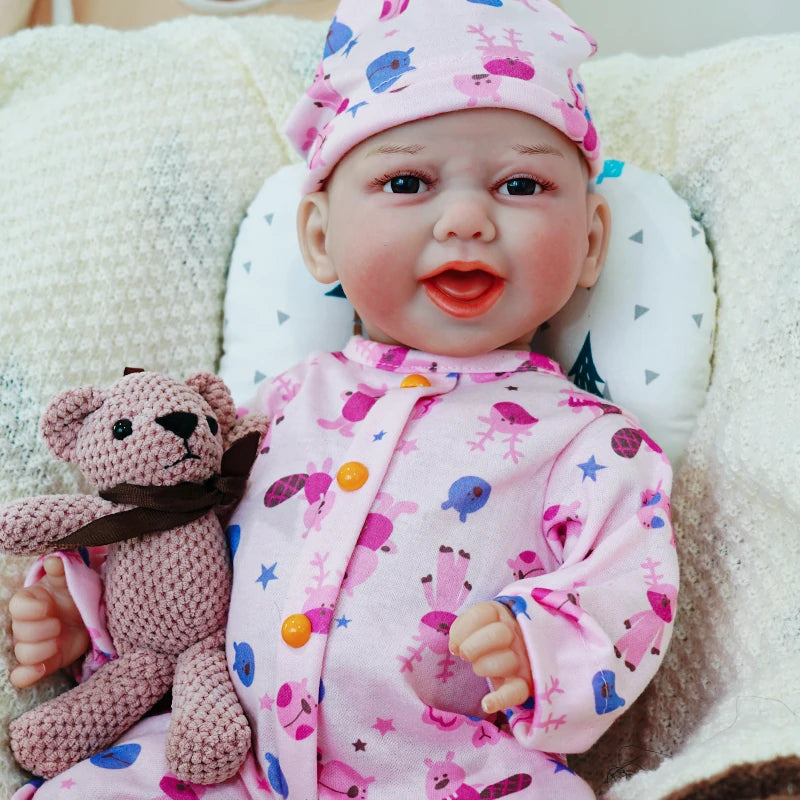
213, 425
122, 428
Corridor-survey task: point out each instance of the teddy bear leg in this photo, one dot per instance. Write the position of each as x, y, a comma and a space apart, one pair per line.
88, 718
209, 735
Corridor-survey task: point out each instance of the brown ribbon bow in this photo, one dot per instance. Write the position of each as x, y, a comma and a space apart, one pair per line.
160, 508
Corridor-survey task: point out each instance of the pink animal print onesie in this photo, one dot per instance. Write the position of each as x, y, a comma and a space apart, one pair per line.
467, 479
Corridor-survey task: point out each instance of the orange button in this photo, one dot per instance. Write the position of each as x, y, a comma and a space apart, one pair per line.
412, 381
352, 476
296, 630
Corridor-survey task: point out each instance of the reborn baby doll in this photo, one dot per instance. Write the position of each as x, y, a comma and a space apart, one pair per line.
451, 566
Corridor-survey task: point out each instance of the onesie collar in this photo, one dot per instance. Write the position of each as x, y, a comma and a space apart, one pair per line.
396, 358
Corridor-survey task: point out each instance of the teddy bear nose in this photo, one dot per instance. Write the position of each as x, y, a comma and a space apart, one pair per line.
181, 423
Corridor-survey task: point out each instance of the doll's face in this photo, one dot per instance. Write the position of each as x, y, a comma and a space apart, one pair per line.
457, 234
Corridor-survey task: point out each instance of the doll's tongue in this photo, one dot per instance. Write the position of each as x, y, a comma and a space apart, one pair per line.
463, 286
464, 292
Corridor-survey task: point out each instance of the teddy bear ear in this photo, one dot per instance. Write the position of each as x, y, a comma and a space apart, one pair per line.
64, 416
217, 395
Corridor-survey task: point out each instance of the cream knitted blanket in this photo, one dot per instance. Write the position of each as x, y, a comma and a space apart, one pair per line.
127, 162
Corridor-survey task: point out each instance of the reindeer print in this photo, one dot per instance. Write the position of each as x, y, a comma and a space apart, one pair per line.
321, 597
507, 60
503, 418
646, 629
444, 599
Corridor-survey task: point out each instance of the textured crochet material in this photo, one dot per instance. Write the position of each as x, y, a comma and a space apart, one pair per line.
128, 161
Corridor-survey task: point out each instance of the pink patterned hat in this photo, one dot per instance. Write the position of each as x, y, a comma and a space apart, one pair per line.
387, 62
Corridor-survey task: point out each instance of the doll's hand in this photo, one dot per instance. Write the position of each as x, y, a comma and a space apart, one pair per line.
488, 636
48, 631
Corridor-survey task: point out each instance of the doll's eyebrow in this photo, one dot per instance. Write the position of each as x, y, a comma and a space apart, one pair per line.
537, 150
392, 149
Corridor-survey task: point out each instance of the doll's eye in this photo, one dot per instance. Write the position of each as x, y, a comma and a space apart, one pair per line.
122, 428
213, 425
521, 186
405, 184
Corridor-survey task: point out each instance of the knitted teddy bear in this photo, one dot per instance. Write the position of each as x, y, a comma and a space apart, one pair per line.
155, 448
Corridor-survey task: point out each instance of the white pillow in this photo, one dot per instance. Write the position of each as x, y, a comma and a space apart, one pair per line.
649, 319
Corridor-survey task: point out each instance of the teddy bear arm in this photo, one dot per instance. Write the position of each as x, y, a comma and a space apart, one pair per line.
34, 524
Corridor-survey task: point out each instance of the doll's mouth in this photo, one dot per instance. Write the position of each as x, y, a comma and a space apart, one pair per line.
463, 289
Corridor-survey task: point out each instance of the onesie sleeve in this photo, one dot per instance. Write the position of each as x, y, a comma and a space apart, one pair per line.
597, 624
82, 569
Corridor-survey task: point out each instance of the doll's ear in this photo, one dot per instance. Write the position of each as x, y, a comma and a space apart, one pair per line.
64, 416
312, 232
217, 395
598, 231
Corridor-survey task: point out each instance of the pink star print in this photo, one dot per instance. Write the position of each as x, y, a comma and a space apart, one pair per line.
406, 447
67, 784
384, 726
266, 702
557, 36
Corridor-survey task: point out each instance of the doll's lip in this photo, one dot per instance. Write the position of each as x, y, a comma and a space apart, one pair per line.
463, 289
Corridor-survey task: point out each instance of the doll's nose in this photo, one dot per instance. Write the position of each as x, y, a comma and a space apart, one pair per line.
181, 423
464, 217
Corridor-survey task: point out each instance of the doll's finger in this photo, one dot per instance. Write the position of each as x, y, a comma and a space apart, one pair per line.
31, 604
499, 664
491, 638
35, 630
54, 569
513, 692
24, 675
36, 652
475, 617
